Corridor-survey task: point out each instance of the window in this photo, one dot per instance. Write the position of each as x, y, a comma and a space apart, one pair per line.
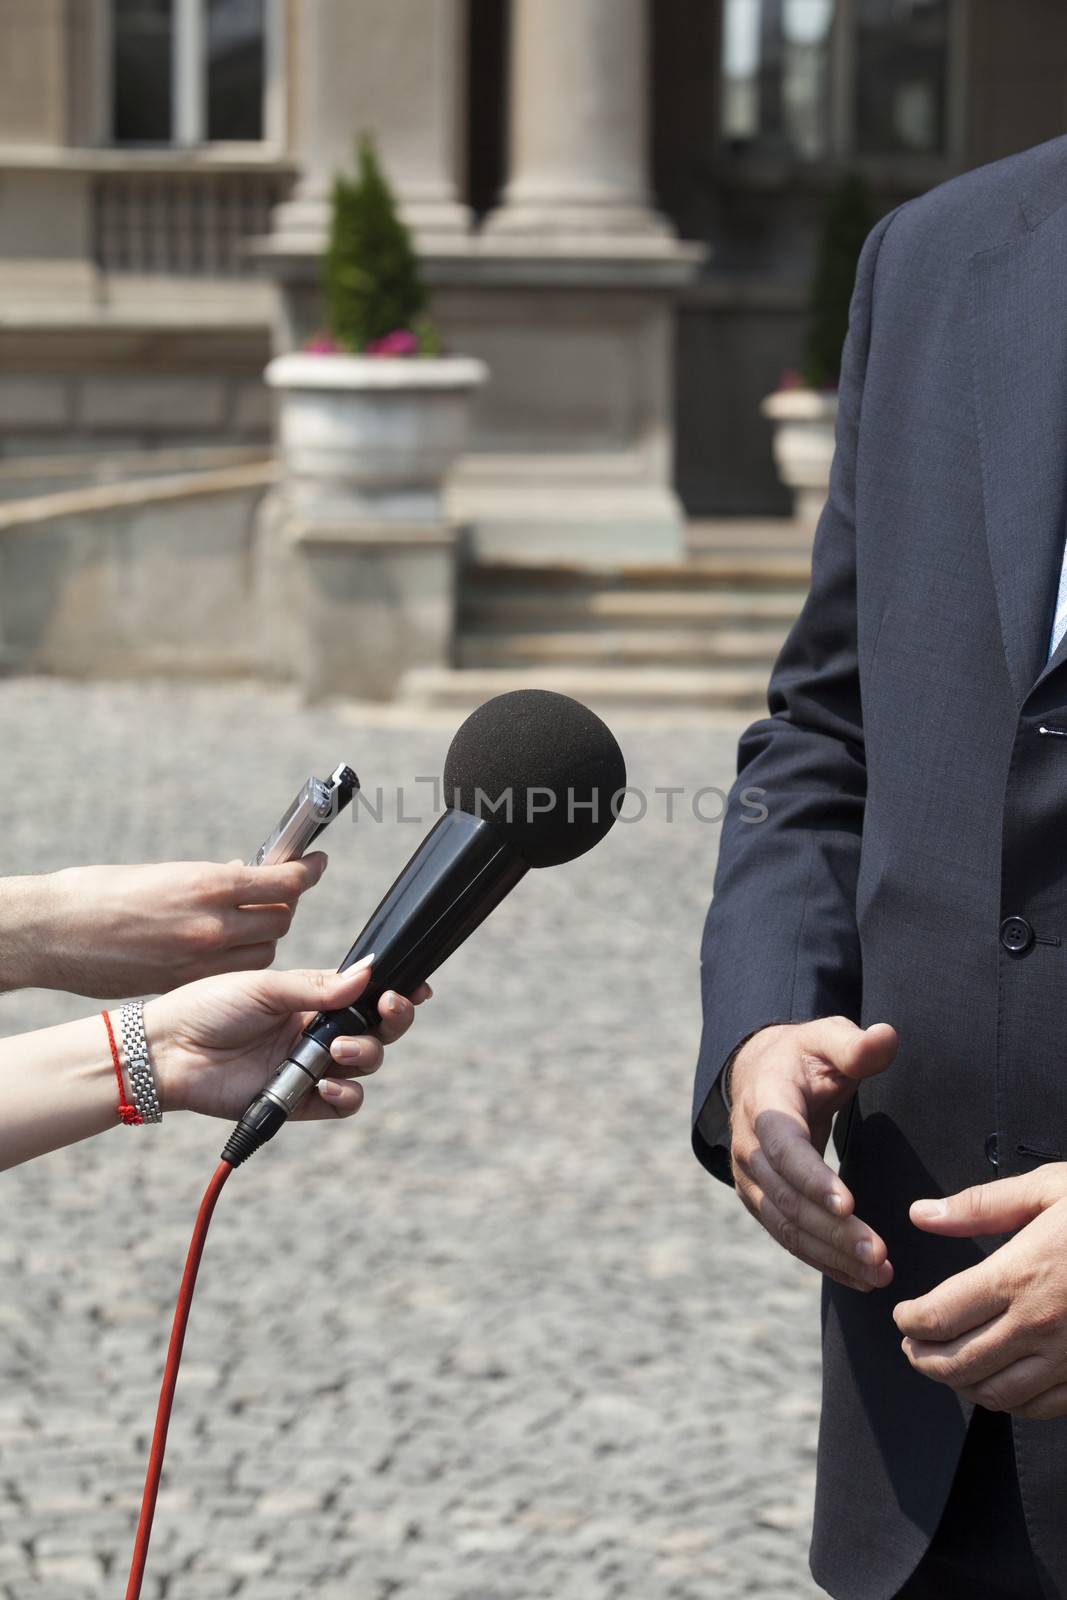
235, 69
776, 74
820, 78
142, 71
189, 71
901, 76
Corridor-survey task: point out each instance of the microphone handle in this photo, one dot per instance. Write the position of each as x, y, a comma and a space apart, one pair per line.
463, 869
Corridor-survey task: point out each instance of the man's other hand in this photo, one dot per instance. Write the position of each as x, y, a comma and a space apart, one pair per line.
786, 1084
995, 1333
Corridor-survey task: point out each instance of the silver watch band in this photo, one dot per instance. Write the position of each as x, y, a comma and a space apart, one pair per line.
138, 1062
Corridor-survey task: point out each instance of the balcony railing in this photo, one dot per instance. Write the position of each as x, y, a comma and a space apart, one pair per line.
188, 224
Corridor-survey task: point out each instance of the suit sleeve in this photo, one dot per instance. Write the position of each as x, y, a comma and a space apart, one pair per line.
780, 940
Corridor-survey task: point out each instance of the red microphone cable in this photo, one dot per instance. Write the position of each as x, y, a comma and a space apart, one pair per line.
170, 1378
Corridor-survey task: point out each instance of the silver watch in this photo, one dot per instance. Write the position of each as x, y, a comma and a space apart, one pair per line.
138, 1062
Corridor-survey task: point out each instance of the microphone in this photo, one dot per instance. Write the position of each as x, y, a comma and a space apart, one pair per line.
534, 779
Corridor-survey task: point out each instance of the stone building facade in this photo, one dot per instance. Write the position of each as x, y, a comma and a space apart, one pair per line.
615, 201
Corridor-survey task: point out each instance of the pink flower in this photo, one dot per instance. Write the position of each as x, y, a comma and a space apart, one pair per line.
401, 342
322, 344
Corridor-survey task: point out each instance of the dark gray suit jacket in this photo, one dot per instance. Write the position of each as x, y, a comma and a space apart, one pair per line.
915, 804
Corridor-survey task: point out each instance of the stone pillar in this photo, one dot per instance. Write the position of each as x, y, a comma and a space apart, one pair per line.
392, 70
569, 299
33, 72
579, 121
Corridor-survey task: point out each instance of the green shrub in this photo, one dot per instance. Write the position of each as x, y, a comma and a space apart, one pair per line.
847, 219
370, 271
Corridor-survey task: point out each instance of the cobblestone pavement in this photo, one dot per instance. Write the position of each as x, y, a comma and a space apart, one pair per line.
498, 1338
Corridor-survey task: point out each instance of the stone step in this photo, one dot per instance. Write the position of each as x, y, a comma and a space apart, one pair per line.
649, 648
702, 572
653, 609
748, 535
637, 689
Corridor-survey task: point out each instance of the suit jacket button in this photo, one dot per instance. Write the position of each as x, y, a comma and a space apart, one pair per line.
1016, 935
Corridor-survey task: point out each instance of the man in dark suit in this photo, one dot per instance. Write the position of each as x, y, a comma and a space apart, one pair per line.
890, 944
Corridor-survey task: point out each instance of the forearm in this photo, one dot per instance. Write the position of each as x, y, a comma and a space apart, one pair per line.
27, 914
57, 1086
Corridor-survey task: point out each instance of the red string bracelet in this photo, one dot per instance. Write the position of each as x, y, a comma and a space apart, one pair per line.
127, 1113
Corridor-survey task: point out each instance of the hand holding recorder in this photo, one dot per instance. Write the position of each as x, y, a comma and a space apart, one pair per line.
120, 930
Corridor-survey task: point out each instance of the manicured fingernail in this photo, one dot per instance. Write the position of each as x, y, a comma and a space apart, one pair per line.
330, 1089
929, 1210
835, 1203
865, 1250
392, 1002
346, 1049
364, 961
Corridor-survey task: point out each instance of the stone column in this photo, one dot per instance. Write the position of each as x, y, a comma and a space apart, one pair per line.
579, 121
33, 73
391, 68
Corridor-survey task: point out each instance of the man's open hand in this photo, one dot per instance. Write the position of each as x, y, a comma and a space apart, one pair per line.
786, 1083
997, 1333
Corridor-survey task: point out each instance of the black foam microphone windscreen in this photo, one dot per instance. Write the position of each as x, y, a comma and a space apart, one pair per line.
542, 768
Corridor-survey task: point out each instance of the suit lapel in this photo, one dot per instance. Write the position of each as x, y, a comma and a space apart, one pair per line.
1019, 350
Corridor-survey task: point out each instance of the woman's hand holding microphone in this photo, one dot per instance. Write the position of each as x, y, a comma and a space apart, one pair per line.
215, 1042
212, 1045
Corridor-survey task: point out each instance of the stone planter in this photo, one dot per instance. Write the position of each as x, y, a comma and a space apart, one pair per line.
804, 422
371, 438
360, 555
